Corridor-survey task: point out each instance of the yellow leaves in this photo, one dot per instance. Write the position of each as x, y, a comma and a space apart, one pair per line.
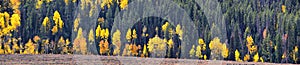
38, 4
252, 48
179, 31
204, 57
128, 35
192, 51
215, 44
54, 30
134, 49
61, 24
283, 8
145, 53
246, 57
66, 2
198, 52
15, 20
36, 38
56, 17
101, 20
76, 24
295, 54
202, 44
98, 31
15, 4
91, 36
261, 59
74, 1
165, 26
134, 36
249, 40
225, 51
116, 39
29, 47
106, 3
256, 57
80, 44
57, 20
61, 40
296, 49
48, 1
237, 55
106, 34
103, 46
45, 21
156, 43
79, 33
201, 41
170, 43
123, 4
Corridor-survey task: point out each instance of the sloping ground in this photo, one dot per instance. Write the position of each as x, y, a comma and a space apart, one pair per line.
46, 59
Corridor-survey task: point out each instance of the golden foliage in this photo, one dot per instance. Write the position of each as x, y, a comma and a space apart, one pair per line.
15, 3
202, 44
36, 38
165, 26
101, 20
134, 36
103, 47
250, 45
38, 4
179, 31
98, 31
48, 1
295, 54
204, 57
198, 52
106, 3
91, 36
128, 35
261, 59
134, 49
116, 42
170, 43
145, 52
61, 42
80, 44
54, 30
216, 46
192, 51
66, 2
123, 4
45, 21
79, 33
106, 34
74, 1
237, 55
283, 8
15, 20
76, 24
57, 20
29, 47
56, 17
256, 57
246, 57
225, 51
156, 41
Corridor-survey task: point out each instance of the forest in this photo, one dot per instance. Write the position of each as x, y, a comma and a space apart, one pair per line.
251, 30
